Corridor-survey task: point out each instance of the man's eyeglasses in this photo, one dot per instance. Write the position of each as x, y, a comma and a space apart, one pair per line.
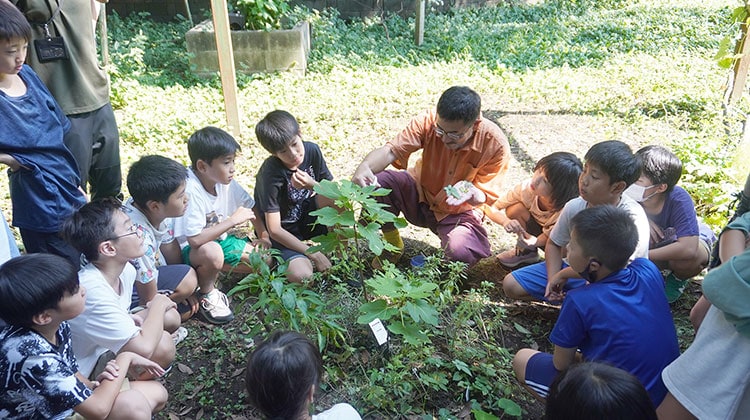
453, 135
132, 230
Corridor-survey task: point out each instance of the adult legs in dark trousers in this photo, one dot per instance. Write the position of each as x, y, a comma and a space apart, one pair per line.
95, 143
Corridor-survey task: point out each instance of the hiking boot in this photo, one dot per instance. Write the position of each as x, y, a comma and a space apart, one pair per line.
215, 307
392, 257
674, 287
517, 256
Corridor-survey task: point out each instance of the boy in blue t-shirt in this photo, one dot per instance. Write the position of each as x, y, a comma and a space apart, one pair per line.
38, 370
621, 317
679, 243
284, 193
44, 182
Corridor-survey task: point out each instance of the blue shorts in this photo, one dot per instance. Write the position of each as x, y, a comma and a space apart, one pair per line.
170, 276
540, 372
533, 279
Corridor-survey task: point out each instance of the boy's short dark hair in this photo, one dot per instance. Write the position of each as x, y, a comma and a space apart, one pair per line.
33, 283
13, 23
660, 165
276, 130
459, 103
593, 390
616, 159
154, 178
606, 233
562, 170
91, 225
211, 143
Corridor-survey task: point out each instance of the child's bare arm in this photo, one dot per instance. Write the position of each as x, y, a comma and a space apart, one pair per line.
9, 160
211, 233
171, 252
105, 392
146, 291
731, 243
152, 328
685, 248
563, 357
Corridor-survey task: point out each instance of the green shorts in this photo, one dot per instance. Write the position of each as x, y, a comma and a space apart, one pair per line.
232, 246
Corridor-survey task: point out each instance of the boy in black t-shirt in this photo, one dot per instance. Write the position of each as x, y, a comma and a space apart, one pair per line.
284, 193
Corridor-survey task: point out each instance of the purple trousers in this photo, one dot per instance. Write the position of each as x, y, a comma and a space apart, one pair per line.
462, 236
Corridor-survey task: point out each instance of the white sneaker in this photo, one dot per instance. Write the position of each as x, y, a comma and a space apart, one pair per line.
179, 335
215, 307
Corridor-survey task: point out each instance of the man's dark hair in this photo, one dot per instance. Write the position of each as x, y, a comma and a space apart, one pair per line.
13, 23
616, 159
210, 143
562, 170
606, 233
154, 178
459, 103
276, 130
33, 283
280, 374
91, 225
593, 391
660, 165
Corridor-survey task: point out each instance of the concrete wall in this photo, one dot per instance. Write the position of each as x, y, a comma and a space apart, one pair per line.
165, 10
254, 51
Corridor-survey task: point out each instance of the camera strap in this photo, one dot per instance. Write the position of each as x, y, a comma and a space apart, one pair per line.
45, 25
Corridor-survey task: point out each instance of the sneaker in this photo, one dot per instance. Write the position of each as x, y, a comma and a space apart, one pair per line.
215, 307
517, 256
674, 287
179, 335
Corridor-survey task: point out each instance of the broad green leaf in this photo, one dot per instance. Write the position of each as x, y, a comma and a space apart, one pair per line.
520, 328
410, 332
421, 310
483, 415
372, 310
289, 299
510, 407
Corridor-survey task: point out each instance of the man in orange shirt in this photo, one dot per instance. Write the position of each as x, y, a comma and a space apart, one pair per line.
464, 159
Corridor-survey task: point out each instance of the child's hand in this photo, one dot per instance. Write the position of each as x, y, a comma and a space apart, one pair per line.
554, 292
139, 365
261, 243
242, 215
319, 261
461, 192
526, 241
514, 226
302, 180
162, 300
111, 371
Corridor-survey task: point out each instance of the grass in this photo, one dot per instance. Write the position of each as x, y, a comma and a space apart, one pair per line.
559, 74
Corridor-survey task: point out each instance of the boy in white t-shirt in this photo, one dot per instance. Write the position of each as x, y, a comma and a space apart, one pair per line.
108, 239
217, 205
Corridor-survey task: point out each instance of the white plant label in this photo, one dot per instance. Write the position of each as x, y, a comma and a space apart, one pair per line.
378, 329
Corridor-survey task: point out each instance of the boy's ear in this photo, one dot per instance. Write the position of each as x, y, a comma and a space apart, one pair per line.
107, 249
153, 206
660, 188
618, 187
42, 318
201, 165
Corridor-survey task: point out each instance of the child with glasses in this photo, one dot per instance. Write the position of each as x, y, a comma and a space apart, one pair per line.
108, 239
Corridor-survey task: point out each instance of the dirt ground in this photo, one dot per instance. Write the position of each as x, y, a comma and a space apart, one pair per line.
532, 133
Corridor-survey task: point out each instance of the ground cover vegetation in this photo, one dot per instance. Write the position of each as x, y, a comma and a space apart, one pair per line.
555, 75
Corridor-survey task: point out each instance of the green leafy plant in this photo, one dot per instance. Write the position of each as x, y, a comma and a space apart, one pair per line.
278, 302
263, 14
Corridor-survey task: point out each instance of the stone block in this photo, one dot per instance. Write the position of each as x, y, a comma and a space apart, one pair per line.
254, 51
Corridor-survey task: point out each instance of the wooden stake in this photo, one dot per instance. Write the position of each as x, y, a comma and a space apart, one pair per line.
220, 14
419, 23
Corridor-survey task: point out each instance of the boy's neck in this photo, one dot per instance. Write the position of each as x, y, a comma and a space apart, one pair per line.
111, 268
655, 204
152, 218
48, 331
208, 184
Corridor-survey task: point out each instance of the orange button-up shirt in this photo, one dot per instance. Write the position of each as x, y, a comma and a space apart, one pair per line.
483, 161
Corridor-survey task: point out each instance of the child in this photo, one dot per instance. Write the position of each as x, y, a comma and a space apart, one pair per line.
621, 317
710, 380
38, 370
108, 239
594, 391
679, 243
157, 187
217, 205
610, 167
44, 182
284, 193
531, 208
282, 375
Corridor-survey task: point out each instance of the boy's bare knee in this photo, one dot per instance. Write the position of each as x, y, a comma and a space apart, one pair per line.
512, 288
520, 361
172, 320
299, 270
209, 255
165, 351
131, 404
186, 287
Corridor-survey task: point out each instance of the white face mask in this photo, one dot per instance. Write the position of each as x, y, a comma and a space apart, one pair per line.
636, 192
